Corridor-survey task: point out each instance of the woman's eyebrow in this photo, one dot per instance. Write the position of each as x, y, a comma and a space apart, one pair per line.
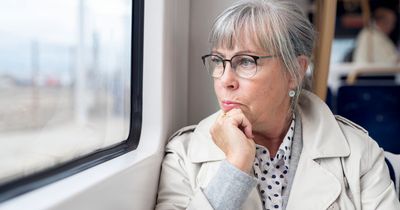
218, 53
245, 52
236, 53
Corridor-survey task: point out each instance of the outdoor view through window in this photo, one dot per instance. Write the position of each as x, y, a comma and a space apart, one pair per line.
64, 81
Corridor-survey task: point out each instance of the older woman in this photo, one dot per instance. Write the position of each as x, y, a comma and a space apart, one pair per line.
272, 145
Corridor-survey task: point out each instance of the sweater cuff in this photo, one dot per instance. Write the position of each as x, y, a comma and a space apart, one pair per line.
229, 188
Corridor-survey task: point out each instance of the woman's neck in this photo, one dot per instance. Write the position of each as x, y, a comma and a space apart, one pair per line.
272, 138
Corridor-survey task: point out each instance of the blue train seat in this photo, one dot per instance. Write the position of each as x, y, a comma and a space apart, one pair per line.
381, 79
376, 108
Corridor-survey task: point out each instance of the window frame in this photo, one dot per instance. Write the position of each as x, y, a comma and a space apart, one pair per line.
29, 183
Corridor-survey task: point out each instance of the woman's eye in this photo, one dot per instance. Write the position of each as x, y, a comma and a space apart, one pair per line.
247, 62
216, 60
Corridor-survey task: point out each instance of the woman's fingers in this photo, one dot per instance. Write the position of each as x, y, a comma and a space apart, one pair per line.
232, 133
238, 119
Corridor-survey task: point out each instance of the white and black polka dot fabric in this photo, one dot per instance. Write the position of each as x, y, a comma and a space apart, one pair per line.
271, 172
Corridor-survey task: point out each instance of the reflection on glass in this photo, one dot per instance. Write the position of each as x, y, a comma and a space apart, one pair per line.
64, 81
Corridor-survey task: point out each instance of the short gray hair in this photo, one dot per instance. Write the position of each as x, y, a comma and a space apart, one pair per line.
279, 28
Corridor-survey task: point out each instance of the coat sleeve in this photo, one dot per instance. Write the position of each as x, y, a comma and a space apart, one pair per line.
377, 189
176, 190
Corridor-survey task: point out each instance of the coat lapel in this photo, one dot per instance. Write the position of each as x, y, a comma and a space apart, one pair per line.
312, 179
319, 170
201, 147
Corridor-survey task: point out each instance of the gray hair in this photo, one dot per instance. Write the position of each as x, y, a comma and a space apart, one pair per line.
279, 28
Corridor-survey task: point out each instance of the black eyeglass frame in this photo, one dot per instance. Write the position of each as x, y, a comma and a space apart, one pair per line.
255, 57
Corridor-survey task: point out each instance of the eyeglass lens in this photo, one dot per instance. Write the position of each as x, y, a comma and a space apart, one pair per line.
245, 66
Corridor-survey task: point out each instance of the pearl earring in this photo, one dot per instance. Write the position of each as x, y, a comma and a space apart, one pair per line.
292, 93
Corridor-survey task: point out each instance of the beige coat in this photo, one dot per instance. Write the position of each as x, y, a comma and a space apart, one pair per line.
340, 166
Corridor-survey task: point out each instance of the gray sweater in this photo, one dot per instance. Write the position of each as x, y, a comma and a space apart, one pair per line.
230, 187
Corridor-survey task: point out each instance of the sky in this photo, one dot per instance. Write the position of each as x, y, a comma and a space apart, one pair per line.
53, 26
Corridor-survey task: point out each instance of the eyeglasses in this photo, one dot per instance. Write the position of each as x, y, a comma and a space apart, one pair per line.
244, 66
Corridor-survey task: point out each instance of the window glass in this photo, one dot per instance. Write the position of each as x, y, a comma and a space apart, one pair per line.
340, 48
64, 81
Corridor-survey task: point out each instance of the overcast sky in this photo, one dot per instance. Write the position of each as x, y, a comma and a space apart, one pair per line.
52, 20
54, 23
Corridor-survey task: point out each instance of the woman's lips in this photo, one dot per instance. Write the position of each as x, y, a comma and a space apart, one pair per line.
228, 105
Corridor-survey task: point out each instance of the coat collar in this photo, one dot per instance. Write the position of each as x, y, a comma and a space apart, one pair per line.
322, 136
201, 146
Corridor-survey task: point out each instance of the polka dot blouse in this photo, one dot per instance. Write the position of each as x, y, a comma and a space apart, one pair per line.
271, 172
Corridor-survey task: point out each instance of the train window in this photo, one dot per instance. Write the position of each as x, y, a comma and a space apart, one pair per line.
340, 48
70, 86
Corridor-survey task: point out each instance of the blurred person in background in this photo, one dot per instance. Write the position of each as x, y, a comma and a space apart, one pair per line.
373, 44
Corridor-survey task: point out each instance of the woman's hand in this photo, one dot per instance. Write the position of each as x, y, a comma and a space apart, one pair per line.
232, 133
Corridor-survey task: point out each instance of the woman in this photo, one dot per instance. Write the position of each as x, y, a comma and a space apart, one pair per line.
272, 145
374, 44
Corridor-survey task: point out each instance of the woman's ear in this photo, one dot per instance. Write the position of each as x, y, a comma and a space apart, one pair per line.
303, 64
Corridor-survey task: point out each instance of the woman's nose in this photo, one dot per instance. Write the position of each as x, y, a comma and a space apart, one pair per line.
229, 78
